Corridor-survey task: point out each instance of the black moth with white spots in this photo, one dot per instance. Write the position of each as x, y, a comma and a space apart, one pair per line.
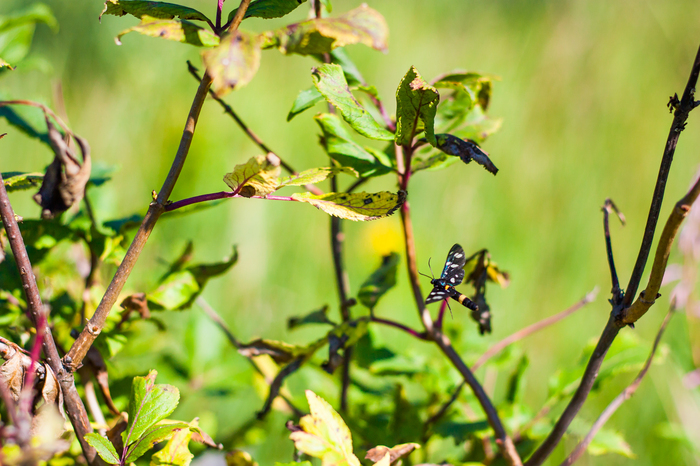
452, 275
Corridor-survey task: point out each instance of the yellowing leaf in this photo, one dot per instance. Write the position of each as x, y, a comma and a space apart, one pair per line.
324, 434
176, 452
234, 62
355, 206
4, 64
173, 29
160, 10
239, 458
385, 461
315, 175
362, 25
259, 176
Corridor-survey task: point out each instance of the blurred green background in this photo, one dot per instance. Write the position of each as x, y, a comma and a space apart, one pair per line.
582, 95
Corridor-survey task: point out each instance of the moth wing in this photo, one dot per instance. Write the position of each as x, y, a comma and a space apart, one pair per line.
454, 266
437, 294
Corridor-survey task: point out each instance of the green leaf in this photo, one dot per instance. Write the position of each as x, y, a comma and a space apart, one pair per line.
516, 382
466, 150
160, 10
16, 181
304, 101
416, 104
355, 206
319, 316
179, 289
338, 143
330, 81
259, 176
17, 32
153, 436
173, 29
234, 62
362, 25
267, 9
315, 175
148, 404
103, 447
381, 281
475, 85
324, 434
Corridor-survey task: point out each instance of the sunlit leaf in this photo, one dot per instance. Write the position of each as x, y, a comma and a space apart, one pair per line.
416, 104
355, 206
259, 176
267, 9
16, 181
176, 452
234, 62
148, 404
315, 175
324, 434
319, 316
160, 10
381, 281
173, 29
304, 101
475, 85
153, 436
362, 25
330, 81
103, 447
338, 143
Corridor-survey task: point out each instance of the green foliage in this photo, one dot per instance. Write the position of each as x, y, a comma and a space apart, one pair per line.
330, 82
355, 206
382, 280
416, 105
17, 31
15, 181
160, 10
268, 8
173, 29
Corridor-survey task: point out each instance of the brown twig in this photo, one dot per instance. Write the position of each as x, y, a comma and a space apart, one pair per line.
621, 314
529, 330
647, 297
621, 398
240, 14
74, 405
607, 208
94, 326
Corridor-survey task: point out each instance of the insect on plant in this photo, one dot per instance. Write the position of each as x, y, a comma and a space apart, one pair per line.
451, 276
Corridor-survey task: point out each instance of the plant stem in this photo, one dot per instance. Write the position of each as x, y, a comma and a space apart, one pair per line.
240, 14
682, 109
74, 405
616, 291
621, 398
409, 330
94, 326
219, 7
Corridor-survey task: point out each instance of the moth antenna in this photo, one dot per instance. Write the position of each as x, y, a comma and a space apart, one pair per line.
448, 307
421, 273
431, 269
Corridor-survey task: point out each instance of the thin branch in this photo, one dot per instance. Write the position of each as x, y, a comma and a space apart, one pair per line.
219, 7
276, 385
647, 297
529, 330
409, 330
607, 207
621, 315
43, 107
220, 195
682, 109
240, 14
74, 405
94, 326
621, 398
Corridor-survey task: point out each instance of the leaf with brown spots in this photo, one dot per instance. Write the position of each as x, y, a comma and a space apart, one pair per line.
355, 206
259, 175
